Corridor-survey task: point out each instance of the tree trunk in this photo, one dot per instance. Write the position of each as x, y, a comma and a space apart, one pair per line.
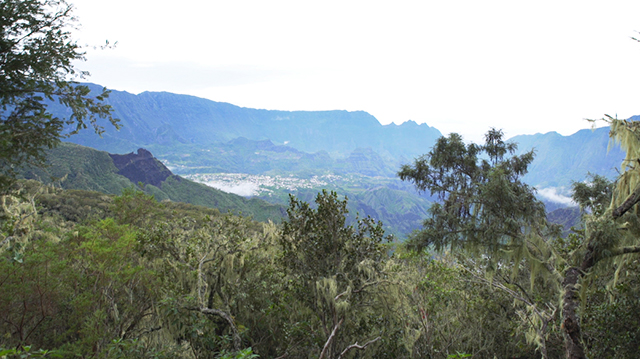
570, 320
237, 341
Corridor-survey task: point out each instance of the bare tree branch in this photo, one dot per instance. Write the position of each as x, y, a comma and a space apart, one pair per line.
333, 334
625, 250
633, 199
359, 290
356, 346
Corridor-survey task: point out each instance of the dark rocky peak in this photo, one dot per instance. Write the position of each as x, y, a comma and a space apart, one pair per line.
141, 167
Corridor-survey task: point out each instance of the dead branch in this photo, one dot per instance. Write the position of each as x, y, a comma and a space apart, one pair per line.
333, 334
356, 346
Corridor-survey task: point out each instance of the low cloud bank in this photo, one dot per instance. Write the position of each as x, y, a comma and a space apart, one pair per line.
245, 189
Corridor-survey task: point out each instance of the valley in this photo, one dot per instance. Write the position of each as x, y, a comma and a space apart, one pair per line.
268, 155
249, 185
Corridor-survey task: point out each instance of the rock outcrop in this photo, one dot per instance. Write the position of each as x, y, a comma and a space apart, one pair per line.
141, 167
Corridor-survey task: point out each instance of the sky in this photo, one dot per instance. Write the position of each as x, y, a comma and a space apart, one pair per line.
460, 66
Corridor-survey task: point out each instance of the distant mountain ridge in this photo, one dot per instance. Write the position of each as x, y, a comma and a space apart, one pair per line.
561, 159
162, 120
182, 128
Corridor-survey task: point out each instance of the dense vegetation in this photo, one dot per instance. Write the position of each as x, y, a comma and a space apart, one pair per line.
72, 166
37, 58
89, 274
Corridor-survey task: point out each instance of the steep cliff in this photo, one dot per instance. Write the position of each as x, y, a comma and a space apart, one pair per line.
141, 167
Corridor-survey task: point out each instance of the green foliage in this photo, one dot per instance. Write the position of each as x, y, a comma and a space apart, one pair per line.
207, 268
135, 207
337, 274
484, 204
138, 349
594, 195
450, 309
459, 355
26, 352
243, 354
487, 212
128, 277
75, 167
318, 243
611, 324
38, 56
71, 166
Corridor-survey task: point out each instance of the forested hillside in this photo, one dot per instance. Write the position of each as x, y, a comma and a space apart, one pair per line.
125, 276
72, 166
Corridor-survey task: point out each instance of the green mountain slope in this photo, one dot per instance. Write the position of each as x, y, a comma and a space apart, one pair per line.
195, 136
78, 167
400, 210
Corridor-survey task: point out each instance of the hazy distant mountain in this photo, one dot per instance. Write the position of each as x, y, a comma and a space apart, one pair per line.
562, 159
192, 132
161, 121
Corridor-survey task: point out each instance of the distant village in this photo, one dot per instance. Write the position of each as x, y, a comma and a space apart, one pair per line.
253, 185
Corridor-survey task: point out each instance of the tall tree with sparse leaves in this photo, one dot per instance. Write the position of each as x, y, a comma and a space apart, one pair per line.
487, 212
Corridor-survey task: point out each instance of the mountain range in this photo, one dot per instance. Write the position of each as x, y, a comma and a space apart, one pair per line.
164, 120
562, 159
195, 137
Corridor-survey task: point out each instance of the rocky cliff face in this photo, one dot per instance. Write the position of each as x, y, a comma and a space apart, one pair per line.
141, 167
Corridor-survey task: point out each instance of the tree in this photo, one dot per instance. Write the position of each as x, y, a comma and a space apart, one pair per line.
484, 204
207, 268
611, 234
487, 209
337, 273
449, 310
37, 55
75, 292
487, 212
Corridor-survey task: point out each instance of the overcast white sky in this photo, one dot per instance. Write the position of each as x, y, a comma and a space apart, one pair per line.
460, 66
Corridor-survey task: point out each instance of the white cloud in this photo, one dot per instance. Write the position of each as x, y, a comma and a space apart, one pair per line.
552, 194
462, 66
245, 189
